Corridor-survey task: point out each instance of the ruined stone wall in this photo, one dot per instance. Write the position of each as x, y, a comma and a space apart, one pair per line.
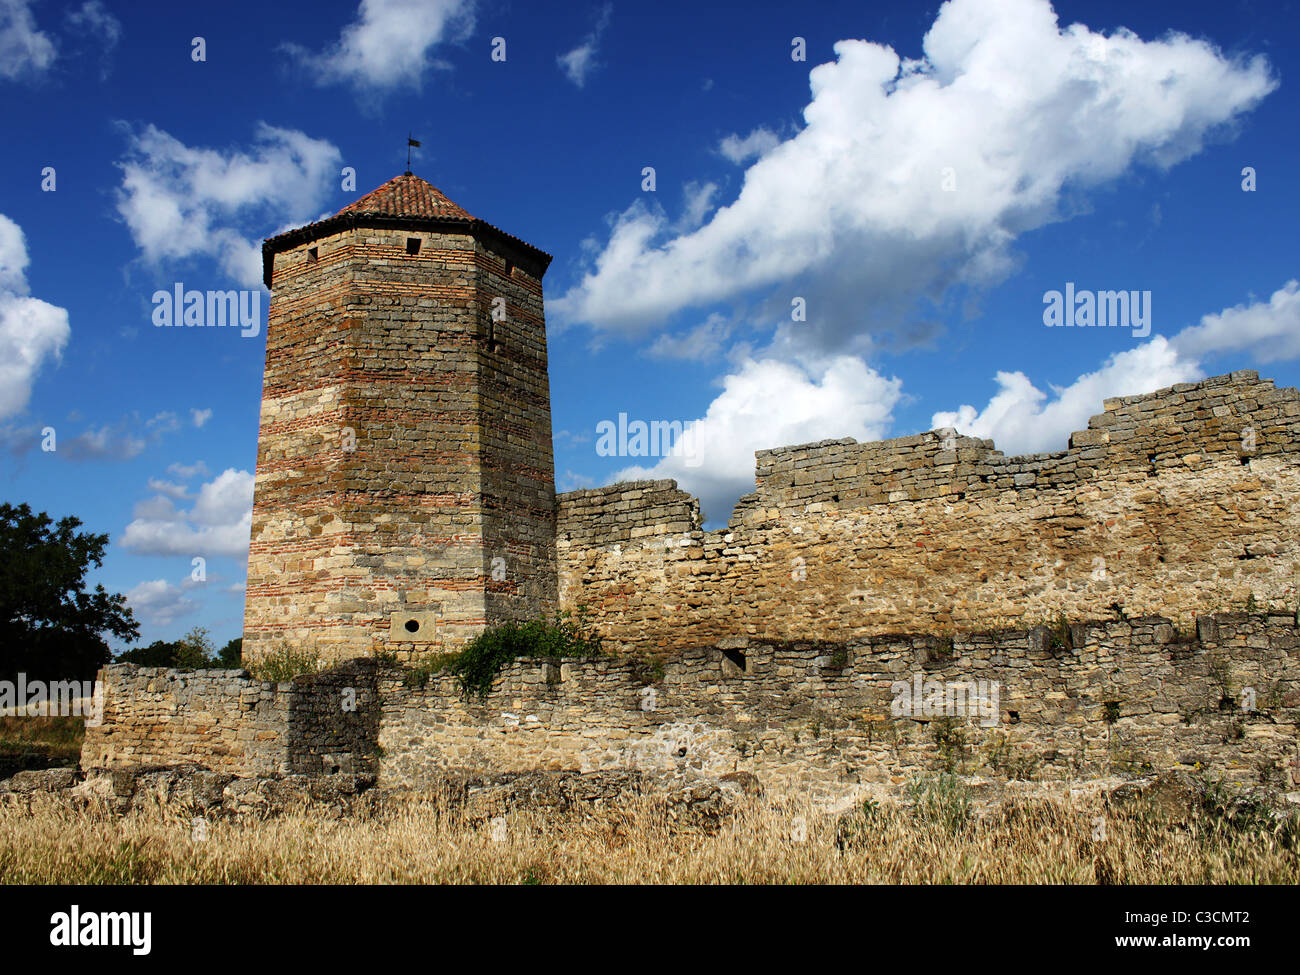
404, 445
817, 720
1178, 502
1124, 696
228, 722
219, 719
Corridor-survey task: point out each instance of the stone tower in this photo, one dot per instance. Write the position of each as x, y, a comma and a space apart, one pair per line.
405, 491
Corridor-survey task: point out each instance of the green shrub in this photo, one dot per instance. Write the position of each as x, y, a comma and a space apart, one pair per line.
941, 800
855, 826
1060, 639
646, 670
435, 663
951, 740
284, 662
943, 649
477, 665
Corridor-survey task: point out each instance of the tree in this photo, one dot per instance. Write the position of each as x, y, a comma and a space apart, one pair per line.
194, 650
50, 626
231, 656
160, 653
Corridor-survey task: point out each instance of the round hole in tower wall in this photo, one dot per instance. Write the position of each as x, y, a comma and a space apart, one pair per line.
412, 626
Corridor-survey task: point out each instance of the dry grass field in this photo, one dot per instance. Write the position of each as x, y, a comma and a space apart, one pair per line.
1026, 842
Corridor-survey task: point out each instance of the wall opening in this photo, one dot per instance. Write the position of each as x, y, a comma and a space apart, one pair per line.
412, 245
733, 661
313, 254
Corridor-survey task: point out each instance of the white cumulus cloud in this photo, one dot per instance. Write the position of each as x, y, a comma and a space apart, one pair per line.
218, 523
159, 602
182, 202
391, 43
753, 146
1006, 107
1021, 418
1268, 330
32, 332
768, 403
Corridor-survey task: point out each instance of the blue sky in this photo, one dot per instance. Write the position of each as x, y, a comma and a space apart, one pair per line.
917, 184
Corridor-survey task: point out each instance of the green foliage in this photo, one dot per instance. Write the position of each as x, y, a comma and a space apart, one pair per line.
1227, 810
943, 649
647, 670
434, 663
951, 739
193, 651
1110, 711
1003, 757
941, 800
853, 827
477, 665
51, 627
284, 662
1060, 639
232, 655
160, 653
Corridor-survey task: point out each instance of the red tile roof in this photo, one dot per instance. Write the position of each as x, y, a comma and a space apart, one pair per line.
408, 196
403, 198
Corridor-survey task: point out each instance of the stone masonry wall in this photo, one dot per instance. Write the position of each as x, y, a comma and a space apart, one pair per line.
812, 719
228, 722
1179, 502
404, 446
817, 720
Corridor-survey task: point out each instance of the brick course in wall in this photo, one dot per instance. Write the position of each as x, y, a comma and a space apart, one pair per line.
404, 494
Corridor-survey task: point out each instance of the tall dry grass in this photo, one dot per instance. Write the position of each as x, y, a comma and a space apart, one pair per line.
1027, 843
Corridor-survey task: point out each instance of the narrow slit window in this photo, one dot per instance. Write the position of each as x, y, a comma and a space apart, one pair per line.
412, 245
510, 268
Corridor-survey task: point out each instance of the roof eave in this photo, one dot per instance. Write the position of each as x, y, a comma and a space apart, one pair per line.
342, 221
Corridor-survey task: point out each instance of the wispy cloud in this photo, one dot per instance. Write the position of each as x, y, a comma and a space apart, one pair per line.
25, 51
390, 44
579, 63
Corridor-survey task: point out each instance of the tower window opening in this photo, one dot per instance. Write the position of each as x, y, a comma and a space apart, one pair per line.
313, 254
510, 268
412, 245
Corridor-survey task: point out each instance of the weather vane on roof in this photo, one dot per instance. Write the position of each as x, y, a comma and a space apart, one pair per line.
410, 143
